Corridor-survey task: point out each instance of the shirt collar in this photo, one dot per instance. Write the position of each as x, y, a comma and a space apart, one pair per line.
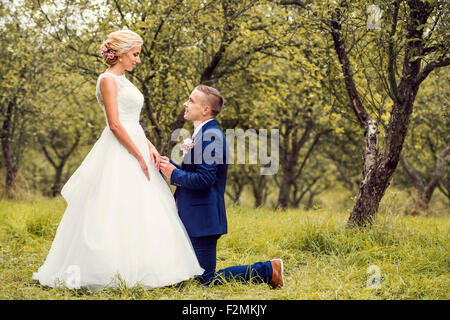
201, 125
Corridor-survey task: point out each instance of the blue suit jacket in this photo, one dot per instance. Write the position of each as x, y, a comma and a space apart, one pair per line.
200, 182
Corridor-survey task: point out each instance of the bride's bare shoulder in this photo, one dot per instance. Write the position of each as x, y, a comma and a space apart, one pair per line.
107, 83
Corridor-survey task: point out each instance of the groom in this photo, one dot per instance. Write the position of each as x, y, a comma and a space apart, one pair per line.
200, 182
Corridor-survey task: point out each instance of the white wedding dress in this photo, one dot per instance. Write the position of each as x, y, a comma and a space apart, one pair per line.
119, 227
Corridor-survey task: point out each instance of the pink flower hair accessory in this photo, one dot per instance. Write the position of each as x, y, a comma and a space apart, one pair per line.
108, 52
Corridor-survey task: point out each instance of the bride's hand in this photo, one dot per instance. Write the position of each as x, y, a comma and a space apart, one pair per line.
154, 154
144, 167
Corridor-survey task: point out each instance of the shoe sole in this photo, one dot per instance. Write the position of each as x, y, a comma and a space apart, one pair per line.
282, 271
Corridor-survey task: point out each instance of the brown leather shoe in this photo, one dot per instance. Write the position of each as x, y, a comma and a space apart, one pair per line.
277, 274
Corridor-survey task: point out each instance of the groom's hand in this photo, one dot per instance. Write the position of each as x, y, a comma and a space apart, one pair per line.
166, 167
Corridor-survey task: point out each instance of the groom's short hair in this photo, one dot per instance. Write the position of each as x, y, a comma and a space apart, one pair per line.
213, 98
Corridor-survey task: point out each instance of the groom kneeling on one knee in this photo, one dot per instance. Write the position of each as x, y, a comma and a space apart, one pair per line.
199, 195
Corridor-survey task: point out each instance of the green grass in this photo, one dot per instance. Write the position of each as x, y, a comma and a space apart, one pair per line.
323, 259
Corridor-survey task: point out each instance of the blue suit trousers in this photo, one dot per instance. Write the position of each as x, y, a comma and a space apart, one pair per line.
206, 247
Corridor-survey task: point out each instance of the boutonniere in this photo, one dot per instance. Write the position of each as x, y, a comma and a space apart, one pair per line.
187, 145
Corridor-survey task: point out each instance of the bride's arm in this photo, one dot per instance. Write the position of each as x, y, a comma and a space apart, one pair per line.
108, 89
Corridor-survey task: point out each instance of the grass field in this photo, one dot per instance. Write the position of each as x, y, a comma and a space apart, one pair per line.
323, 259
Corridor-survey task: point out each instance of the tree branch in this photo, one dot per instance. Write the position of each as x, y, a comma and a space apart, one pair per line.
49, 158
412, 174
296, 3
308, 153
339, 46
437, 172
121, 13
430, 67
392, 56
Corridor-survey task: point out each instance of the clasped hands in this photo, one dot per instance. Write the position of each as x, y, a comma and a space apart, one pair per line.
162, 163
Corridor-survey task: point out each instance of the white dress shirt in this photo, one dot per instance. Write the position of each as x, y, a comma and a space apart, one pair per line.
200, 126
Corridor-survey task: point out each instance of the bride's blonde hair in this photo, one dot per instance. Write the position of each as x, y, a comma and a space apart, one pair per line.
118, 43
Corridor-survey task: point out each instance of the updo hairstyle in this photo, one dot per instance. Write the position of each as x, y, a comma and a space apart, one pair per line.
118, 43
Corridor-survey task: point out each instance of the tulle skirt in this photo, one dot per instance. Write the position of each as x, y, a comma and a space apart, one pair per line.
118, 227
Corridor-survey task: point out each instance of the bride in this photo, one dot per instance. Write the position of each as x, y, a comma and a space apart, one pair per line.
121, 221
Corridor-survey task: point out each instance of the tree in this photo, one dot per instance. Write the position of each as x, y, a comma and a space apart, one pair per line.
22, 75
185, 43
295, 89
417, 37
65, 124
343, 149
424, 157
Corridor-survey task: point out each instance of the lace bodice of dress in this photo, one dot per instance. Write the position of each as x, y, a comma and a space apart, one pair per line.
129, 98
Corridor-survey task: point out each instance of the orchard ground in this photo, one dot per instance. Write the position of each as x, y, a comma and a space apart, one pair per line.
399, 257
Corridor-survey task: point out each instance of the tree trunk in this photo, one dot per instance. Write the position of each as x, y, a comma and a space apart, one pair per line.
309, 203
259, 188
377, 174
236, 185
285, 186
57, 182
10, 163
259, 200
59, 165
11, 168
290, 150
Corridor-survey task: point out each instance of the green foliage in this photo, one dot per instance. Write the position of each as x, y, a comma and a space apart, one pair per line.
274, 64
